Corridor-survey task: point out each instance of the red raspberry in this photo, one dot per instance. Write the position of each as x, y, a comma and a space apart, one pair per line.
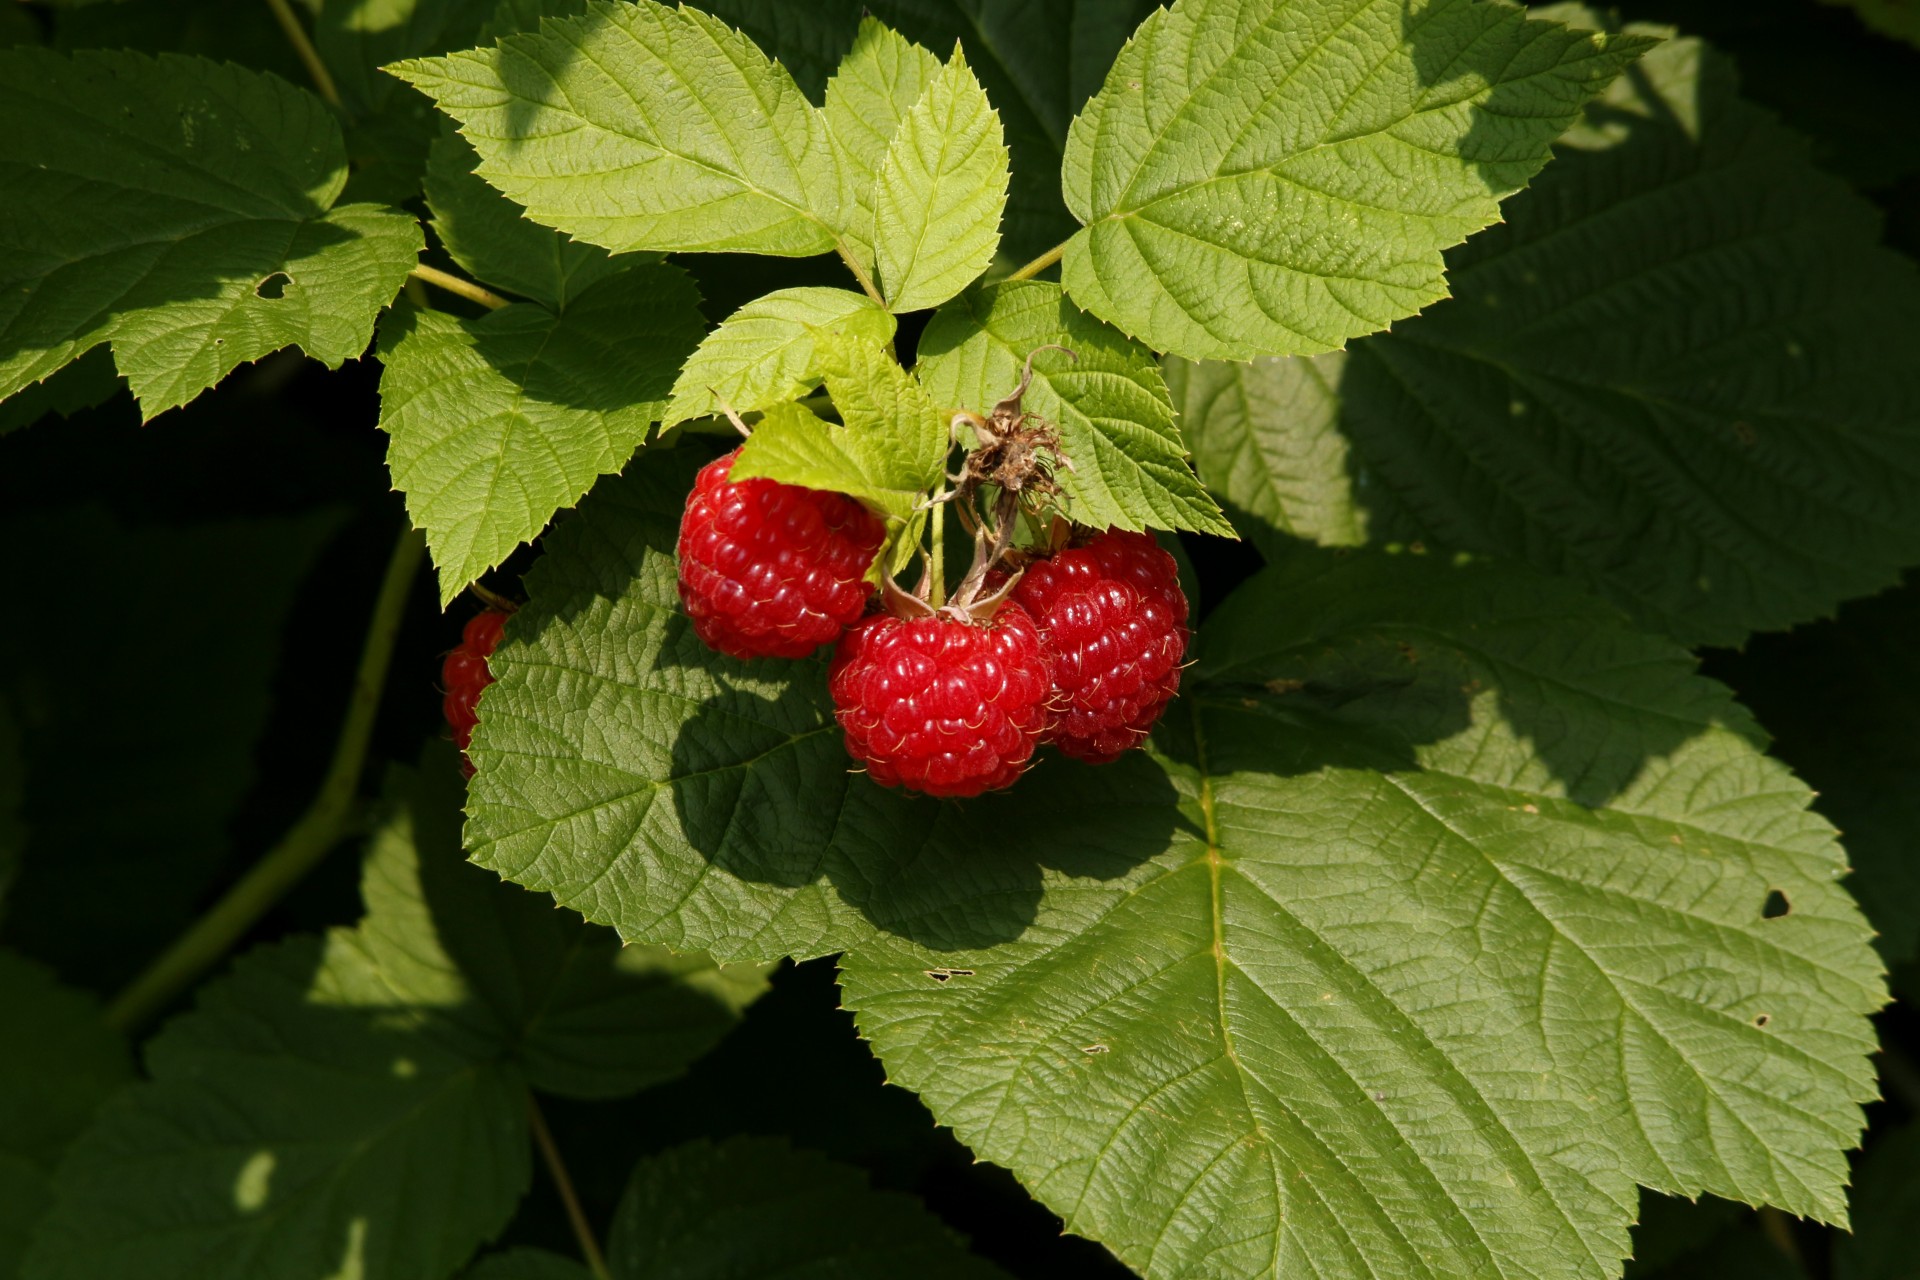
464, 674
938, 705
771, 570
1115, 620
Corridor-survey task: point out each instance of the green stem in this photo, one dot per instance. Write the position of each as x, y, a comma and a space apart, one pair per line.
454, 284
1040, 263
563, 1183
937, 564
859, 273
210, 937
309, 56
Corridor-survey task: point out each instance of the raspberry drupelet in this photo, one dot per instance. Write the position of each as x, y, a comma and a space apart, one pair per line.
771, 570
464, 675
940, 705
1115, 621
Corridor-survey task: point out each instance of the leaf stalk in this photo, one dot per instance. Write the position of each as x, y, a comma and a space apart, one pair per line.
563, 1184
309, 56
456, 285
1041, 263
316, 831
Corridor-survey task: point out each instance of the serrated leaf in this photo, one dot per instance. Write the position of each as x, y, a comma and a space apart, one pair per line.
938, 194
528, 1264
757, 1209
808, 39
1259, 177
1673, 374
150, 812
182, 211
497, 423
1110, 404
592, 124
500, 974
1039, 63
1840, 698
86, 382
763, 354
289, 1125
1461, 929
491, 238
890, 453
58, 1063
879, 81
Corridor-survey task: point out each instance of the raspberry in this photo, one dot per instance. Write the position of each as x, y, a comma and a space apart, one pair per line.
1115, 621
464, 674
939, 705
771, 570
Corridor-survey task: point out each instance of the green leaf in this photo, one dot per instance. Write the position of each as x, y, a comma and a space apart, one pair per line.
528, 1264
879, 81
491, 237
150, 812
891, 452
1885, 1198
1040, 63
497, 423
1841, 698
808, 39
182, 211
1460, 927
86, 382
757, 1209
763, 354
499, 973
1261, 177
938, 194
1894, 18
591, 123
1116, 422
294, 1126
1674, 374
58, 1062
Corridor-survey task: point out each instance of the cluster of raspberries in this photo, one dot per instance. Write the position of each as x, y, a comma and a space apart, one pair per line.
1085, 651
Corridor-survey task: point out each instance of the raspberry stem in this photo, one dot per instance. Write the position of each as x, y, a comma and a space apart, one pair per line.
937, 572
307, 841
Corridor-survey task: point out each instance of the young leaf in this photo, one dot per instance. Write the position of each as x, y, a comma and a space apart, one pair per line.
752, 1208
497, 423
491, 237
879, 81
1464, 924
58, 1062
1260, 177
891, 452
1110, 403
1676, 373
938, 194
182, 211
595, 125
763, 354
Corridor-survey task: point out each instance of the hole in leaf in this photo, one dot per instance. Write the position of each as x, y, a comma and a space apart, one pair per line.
1777, 905
1761, 1020
274, 286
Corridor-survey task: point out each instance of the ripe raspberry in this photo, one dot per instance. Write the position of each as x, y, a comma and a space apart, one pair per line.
464, 674
1115, 620
938, 705
771, 570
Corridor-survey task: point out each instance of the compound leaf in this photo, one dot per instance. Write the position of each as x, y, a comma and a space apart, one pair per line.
497, 423
879, 81
938, 194
1675, 373
757, 1209
1262, 177
1467, 922
763, 354
490, 236
1108, 399
183, 211
638, 126
58, 1063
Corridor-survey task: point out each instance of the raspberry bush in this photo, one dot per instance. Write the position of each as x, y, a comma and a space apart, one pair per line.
1144, 639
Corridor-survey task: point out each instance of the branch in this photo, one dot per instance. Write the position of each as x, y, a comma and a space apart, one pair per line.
210, 937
